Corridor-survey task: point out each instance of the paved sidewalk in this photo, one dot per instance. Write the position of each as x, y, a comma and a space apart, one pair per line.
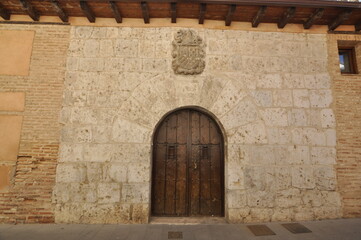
345, 229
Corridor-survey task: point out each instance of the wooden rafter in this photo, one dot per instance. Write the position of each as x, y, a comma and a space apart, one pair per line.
145, 11
202, 12
116, 12
30, 10
315, 15
62, 15
87, 11
340, 19
260, 14
173, 11
4, 13
231, 10
287, 15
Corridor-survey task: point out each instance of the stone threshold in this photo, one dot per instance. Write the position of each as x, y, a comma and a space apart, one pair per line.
187, 220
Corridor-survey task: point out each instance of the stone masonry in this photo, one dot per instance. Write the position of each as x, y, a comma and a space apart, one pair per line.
271, 92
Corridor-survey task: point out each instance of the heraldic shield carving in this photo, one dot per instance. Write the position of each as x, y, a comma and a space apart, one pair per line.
188, 53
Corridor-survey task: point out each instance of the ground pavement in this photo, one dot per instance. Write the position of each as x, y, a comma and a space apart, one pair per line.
342, 229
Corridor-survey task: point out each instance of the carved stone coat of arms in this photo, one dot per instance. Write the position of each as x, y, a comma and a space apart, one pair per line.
188, 53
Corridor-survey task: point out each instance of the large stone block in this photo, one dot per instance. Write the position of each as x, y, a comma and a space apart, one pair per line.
139, 172
259, 178
303, 177
126, 48
116, 172
243, 113
236, 198
288, 198
282, 98
318, 81
269, 80
301, 98
283, 178
263, 98
298, 117
275, 117
321, 98
260, 199
126, 132
323, 155
108, 192
97, 152
140, 213
135, 193
328, 118
325, 178
305, 136
253, 133
67, 173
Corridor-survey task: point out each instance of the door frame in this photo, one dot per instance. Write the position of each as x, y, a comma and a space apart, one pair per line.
224, 152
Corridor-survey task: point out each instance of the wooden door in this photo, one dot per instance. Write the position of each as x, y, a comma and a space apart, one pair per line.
188, 166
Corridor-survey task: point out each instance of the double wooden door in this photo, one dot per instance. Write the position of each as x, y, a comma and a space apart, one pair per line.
188, 166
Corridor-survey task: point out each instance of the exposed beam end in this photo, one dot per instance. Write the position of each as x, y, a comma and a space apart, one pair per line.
30, 10
87, 11
145, 12
231, 10
202, 13
315, 16
62, 15
288, 14
258, 18
116, 12
173, 12
340, 19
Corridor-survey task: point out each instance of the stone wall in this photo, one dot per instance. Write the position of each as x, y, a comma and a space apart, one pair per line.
270, 91
31, 88
347, 92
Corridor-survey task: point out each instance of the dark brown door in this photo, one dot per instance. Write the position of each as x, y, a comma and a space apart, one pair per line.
188, 172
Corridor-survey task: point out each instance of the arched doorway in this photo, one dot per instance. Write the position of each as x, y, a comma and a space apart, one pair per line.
188, 165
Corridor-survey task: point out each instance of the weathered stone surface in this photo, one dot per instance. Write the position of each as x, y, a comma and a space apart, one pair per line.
135, 193
323, 155
301, 98
243, 113
270, 92
70, 173
275, 117
321, 98
303, 177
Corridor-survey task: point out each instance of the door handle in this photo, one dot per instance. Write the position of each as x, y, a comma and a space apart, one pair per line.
195, 166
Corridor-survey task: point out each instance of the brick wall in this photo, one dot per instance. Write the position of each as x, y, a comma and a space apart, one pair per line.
28, 199
347, 93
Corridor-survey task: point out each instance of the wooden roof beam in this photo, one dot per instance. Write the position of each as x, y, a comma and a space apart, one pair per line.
315, 15
202, 13
4, 13
62, 15
257, 19
145, 11
173, 11
340, 19
30, 10
87, 11
231, 10
116, 12
287, 15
